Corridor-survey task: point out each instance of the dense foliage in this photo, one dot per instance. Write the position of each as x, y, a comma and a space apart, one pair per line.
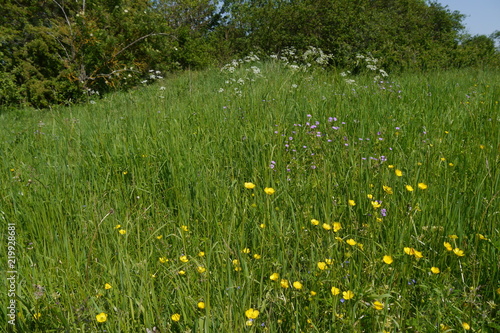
56, 51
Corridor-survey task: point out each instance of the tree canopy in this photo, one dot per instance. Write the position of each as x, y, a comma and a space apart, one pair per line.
57, 51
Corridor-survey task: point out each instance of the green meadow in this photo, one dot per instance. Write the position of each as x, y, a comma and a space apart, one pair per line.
264, 197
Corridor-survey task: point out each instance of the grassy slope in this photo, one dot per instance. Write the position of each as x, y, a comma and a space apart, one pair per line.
159, 162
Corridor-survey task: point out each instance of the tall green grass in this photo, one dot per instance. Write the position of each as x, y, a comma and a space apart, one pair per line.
117, 191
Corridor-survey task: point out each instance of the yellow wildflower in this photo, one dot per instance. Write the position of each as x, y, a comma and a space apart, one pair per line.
274, 277
448, 246
378, 305
314, 222
176, 317
351, 242
335, 291
322, 265
387, 189
435, 270
422, 186
336, 226
107, 286
269, 190
101, 317
122, 231
183, 259
388, 260
398, 172
351, 203
326, 226
201, 269
297, 285
409, 188
201, 305
347, 294
284, 283
249, 185
458, 252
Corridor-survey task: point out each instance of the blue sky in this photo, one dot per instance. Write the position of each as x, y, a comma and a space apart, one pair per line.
482, 16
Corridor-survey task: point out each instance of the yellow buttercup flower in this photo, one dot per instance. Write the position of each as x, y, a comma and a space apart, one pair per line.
107, 286
118, 226
297, 285
453, 236
163, 260
458, 252
37, 315
252, 313
347, 294
482, 237
201, 254
201, 305
351, 202
369, 196
176, 317
159, 237
336, 226
422, 186
284, 283
184, 228
329, 261
335, 291
274, 277
249, 185
388, 260
183, 259
378, 305
322, 265
314, 222
101, 317
448, 246
376, 204
201, 269
435, 270
246, 250
409, 188
398, 172
326, 226
122, 231
387, 189
313, 293
466, 326
269, 190
257, 256
181, 272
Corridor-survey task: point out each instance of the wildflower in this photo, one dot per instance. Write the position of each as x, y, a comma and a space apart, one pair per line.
388, 260
336, 226
458, 252
448, 246
153, 276
183, 259
398, 172
313, 293
257, 256
418, 254
322, 265
387, 189
246, 250
443, 159
107, 286
159, 237
347, 294
274, 277
252, 313
201, 269
326, 226
201, 305
249, 322
369, 196
37, 315
390, 166
482, 237
269, 190
184, 228
409, 188
378, 305
335, 291
284, 283
249, 185
201, 254
122, 231
297, 285
237, 268
351, 242
329, 261
314, 222
181, 272
422, 186
435, 270
101, 317
176, 317
351, 203
453, 236
118, 226
466, 326
481, 146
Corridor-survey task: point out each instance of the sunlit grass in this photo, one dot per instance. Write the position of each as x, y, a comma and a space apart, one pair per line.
375, 206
